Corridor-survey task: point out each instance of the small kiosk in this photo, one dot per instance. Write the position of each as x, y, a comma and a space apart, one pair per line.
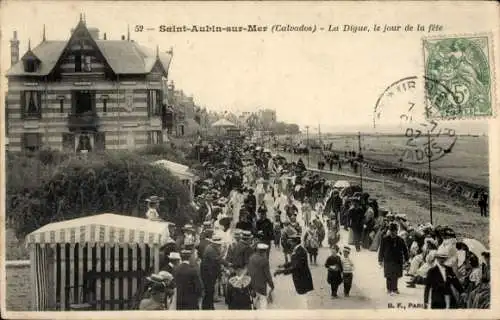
180, 171
94, 263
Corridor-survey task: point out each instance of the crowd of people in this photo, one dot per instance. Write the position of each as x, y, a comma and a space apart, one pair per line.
251, 201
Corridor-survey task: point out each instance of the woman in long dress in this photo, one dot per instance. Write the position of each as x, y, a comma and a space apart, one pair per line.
260, 190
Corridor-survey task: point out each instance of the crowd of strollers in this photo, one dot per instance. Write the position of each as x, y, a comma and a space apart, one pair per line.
248, 204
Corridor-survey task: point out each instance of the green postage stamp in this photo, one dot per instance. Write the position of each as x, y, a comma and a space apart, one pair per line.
460, 77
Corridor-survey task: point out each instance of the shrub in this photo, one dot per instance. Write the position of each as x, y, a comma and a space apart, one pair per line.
95, 183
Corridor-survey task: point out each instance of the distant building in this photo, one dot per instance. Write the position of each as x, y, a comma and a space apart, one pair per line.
86, 93
267, 118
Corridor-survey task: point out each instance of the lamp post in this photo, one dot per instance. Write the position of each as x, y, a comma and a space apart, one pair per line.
307, 144
360, 158
430, 172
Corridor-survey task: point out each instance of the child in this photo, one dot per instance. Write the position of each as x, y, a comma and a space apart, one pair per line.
334, 266
348, 269
333, 233
277, 229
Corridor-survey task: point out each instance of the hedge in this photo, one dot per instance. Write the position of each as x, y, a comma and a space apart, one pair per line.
43, 189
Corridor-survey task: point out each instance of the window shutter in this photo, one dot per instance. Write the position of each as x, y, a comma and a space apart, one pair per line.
159, 101
148, 102
160, 137
150, 140
23, 104
73, 102
40, 104
92, 101
100, 141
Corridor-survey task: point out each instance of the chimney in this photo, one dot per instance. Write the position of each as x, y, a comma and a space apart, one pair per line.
14, 49
123, 37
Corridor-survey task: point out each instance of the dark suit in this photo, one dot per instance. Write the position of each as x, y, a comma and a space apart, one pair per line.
439, 287
356, 216
188, 286
258, 270
393, 253
210, 268
240, 254
299, 269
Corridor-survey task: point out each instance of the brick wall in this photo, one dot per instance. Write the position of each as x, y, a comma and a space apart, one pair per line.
18, 287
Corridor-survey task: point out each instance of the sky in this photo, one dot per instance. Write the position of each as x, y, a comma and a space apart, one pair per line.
327, 79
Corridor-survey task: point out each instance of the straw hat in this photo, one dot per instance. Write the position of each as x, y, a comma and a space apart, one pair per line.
262, 246
174, 256
154, 199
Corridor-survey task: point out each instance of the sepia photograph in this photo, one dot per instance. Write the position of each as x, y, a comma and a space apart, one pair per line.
262, 157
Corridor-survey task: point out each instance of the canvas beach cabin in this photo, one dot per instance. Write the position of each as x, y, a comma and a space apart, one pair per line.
94, 263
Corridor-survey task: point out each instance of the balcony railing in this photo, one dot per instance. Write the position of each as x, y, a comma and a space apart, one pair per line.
88, 121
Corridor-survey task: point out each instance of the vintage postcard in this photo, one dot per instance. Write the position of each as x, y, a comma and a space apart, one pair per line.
237, 159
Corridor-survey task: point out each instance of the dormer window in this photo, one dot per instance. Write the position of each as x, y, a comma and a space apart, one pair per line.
30, 62
30, 66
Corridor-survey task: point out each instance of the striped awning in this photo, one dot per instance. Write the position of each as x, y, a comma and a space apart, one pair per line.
102, 229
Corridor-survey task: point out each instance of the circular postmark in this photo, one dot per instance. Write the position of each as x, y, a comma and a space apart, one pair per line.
404, 108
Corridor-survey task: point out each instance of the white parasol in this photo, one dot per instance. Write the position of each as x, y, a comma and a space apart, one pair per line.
475, 246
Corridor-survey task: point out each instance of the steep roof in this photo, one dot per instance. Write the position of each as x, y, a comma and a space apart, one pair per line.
124, 57
47, 52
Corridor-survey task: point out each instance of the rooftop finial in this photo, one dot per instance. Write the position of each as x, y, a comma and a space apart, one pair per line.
81, 17
29, 44
157, 51
128, 32
84, 20
43, 34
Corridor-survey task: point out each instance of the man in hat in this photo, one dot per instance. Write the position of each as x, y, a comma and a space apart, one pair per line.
189, 237
210, 270
299, 268
242, 251
187, 279
174, 260
244, 223
392, 255
204, 236
264, 226
260, 273
166, 249
442, 284
250, 203
356, 217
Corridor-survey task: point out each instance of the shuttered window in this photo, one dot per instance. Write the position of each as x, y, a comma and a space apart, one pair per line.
154, 102
31, 104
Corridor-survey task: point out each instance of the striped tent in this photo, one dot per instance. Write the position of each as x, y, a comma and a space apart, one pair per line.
96, 261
